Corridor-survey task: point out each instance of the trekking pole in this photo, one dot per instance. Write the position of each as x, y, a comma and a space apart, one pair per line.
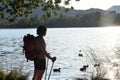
46, 68
50, 71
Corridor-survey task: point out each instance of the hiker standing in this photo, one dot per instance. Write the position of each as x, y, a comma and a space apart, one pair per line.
40, 62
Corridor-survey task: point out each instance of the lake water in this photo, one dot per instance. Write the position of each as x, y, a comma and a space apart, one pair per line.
96, 44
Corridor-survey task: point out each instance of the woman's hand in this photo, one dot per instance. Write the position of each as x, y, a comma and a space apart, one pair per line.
53, 59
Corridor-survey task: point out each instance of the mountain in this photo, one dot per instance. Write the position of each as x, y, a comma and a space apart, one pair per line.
75, 12
71, 12
115, 8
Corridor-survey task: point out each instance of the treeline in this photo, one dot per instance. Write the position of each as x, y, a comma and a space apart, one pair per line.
32, 22
96, 19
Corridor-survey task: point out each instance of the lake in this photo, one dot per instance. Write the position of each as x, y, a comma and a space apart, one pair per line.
97, 45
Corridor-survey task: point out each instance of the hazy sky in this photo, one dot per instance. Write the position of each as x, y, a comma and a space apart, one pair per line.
102, 4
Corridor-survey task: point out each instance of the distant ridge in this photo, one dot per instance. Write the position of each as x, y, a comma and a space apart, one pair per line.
70, 12
115, 8
92, 17
75, 12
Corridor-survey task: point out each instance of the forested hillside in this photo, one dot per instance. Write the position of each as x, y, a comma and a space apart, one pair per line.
82, 18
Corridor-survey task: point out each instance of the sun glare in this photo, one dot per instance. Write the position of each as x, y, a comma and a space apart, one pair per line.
111, 75
110, 35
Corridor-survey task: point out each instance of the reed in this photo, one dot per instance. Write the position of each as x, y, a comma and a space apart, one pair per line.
98, 71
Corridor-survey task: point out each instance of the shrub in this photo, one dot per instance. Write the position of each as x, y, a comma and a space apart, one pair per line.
2, 74
14, 74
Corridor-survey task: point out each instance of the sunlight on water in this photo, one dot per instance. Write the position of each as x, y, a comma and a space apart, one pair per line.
111, 75
110, 35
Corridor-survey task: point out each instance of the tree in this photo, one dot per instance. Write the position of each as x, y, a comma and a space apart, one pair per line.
10, 10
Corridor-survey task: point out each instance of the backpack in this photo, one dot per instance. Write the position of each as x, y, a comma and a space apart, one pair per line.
29, 48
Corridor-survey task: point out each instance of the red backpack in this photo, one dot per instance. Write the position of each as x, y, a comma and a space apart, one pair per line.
29, 47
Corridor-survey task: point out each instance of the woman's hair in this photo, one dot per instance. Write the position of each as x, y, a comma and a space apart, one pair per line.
41, 30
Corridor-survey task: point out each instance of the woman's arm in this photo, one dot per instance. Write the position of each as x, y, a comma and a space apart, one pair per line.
41, 47
47, 54
44, 52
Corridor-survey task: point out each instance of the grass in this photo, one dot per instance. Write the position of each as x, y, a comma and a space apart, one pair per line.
93, 78
98, 77
14, 74
80, 79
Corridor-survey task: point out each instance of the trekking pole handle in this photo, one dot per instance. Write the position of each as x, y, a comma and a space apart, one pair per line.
53, 59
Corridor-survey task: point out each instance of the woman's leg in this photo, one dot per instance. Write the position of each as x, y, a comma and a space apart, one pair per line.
35, 76
38, 74
39, 69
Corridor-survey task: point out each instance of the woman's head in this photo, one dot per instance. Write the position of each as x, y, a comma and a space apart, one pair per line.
41, 30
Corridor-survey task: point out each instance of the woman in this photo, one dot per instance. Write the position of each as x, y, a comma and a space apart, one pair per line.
40, 62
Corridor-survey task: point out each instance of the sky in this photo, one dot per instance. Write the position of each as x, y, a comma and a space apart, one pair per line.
101, 4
